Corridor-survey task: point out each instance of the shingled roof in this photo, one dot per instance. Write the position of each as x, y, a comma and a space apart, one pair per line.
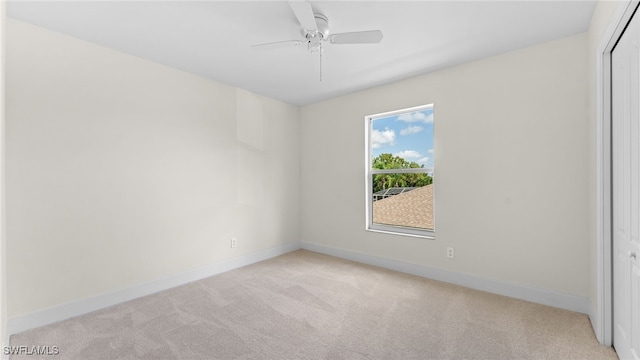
411, 208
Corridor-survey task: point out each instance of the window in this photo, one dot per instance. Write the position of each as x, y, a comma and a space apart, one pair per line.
400, 164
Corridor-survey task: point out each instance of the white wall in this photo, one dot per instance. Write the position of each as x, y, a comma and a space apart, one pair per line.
602, 15
512, 168
601, 20
3, 252
121, 171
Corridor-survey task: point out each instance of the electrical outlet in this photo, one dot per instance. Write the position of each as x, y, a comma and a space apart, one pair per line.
234, 242
450, 253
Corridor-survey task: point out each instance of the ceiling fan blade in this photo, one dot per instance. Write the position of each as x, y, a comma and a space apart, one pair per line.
358, 37
276, 45
303, 11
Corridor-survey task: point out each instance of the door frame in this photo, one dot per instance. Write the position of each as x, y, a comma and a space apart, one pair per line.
602, 314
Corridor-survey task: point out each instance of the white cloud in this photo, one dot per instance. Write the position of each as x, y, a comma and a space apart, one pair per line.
424, 160
380, 138
418, 116
409, 154
430, 151
411, 130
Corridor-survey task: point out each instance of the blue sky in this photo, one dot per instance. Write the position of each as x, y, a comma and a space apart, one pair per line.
408, 135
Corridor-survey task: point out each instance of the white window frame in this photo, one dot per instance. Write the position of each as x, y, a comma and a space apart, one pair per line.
369, 172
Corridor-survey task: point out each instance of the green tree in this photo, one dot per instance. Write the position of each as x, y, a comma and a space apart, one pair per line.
385, 181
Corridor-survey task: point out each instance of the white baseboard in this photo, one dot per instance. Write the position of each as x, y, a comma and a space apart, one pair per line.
540, 296
595, 321
55, 314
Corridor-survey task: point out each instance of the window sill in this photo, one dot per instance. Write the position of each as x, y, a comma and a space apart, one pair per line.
392, 230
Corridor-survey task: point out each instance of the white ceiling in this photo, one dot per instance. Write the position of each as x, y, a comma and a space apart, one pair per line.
213, 38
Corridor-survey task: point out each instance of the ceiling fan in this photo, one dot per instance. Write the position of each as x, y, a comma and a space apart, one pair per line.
315, 31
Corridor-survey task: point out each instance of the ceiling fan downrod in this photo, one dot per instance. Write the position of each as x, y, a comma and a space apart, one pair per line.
315, 38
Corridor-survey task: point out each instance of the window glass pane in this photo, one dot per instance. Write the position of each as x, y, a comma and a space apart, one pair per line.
407, 136
406, 206
402, 199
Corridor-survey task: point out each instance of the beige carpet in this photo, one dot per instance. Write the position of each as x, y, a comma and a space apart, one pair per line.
305, 305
